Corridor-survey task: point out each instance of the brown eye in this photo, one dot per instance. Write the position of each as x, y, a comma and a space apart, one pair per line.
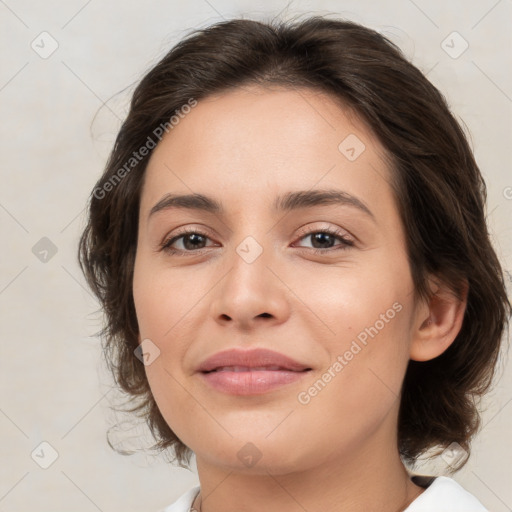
188, 241
325, 239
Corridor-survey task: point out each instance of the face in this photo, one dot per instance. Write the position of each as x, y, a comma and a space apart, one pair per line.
321, 279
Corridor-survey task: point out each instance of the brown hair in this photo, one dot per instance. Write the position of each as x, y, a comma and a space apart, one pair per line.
439, 191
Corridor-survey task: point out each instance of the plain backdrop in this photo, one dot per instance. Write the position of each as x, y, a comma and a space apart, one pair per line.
67, 70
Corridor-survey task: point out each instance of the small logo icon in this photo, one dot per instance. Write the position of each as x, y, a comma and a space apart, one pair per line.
351, 147
44, 250
249, 455
249, 249
147, 352
44, 455
454, 454
44, 45
454, 45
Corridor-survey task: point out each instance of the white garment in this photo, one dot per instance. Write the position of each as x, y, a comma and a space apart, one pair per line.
442, 495
445, 495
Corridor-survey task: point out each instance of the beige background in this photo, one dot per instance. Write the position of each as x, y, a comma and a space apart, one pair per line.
53, 387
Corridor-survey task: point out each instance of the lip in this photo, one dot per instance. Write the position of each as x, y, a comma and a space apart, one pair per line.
250, 372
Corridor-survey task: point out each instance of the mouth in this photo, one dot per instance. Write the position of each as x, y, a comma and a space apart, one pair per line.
250, 372
256, 359
237, 369
245, 381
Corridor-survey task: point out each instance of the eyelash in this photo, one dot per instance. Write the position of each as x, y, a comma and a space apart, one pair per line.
346, 243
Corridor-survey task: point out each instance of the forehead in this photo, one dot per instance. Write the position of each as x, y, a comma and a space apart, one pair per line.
263, 142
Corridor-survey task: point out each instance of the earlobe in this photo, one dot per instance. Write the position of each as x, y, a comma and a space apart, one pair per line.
438, 322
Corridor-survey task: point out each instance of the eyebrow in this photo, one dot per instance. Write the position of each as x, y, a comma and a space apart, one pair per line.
288, 202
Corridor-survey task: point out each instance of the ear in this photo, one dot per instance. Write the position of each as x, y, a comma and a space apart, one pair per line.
437, 321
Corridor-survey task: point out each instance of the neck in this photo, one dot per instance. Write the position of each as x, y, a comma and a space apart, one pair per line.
373, 479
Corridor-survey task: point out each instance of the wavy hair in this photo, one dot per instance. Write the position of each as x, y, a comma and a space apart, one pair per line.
437, 184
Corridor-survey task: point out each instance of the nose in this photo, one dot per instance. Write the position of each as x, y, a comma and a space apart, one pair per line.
251, 293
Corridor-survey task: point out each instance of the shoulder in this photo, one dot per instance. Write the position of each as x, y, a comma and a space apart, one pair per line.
445, 495
184, 502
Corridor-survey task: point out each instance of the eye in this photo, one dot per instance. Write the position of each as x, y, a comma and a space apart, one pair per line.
191, 240
323, 240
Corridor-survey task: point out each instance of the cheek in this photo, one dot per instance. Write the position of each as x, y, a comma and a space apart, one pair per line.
162, 298
360, 386
176, 404
164, 303
367, 312
347, 301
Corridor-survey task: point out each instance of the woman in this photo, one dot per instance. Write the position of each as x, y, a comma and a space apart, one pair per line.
290, 246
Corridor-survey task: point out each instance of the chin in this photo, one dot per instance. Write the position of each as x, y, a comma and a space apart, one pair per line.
258, 456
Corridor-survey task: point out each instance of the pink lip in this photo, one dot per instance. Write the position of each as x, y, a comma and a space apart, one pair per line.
250, 372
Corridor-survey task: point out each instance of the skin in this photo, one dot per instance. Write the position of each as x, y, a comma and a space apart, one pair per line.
339, 451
